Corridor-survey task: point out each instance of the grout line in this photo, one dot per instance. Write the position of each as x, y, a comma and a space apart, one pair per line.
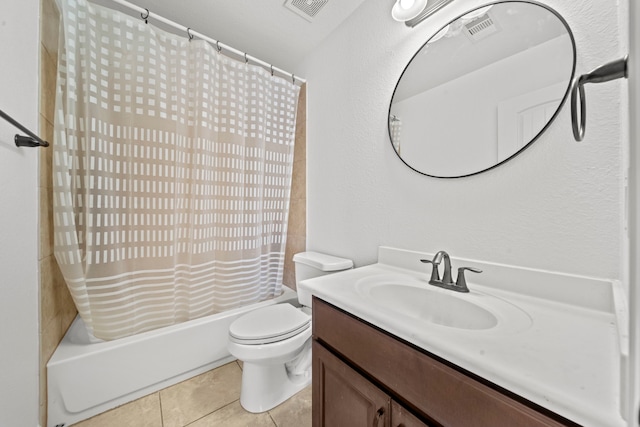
272, 420
161, 414
212, 412
222, 407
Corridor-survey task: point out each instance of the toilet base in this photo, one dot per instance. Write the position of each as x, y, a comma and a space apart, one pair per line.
273, 372
266, 386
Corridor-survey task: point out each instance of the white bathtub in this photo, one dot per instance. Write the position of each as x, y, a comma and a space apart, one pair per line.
86, 376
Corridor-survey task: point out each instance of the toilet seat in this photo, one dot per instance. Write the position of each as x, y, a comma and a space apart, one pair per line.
269, 324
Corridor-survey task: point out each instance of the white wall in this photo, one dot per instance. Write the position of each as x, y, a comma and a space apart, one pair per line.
634, 212
556, 206
19, 349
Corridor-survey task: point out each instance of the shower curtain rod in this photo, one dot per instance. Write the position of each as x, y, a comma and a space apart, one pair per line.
24, 141
146, 14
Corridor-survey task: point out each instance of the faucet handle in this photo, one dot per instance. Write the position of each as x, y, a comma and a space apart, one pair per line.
435, 275
461, 282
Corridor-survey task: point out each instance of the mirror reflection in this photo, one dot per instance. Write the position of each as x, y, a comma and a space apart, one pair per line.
482, 89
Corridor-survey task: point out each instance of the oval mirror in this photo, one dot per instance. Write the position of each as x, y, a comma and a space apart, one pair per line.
482, 89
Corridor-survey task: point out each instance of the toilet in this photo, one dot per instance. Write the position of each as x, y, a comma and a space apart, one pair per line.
274, 342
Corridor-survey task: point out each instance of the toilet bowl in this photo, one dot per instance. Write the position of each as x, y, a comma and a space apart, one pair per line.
274, 342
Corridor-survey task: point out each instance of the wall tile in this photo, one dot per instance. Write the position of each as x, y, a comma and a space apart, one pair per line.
48, 305
48, 76
45, 155
301, 126
64, 303
297, 218
43, 390
295, 244
55, 299
68, 311
298, 183
288, 277
50, 338
297, 227
45, 220
49, 26
55, 310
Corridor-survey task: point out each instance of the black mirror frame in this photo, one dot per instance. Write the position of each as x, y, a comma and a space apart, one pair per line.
535, 138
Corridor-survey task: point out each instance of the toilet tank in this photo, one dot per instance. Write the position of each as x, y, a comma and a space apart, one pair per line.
314, 264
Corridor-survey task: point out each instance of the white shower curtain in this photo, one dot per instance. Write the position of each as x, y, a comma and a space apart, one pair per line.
172, 174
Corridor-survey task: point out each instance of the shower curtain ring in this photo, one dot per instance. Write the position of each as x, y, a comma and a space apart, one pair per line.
293, 78
145, 17
218, 46
189, 34
271, 70
246, 60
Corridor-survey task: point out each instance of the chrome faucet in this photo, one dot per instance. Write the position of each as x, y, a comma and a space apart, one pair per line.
446, 282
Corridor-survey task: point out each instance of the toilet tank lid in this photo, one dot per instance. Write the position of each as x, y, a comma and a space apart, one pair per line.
323, 262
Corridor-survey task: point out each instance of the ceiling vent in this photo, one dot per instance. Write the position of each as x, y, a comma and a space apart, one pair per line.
308, 9
480, 28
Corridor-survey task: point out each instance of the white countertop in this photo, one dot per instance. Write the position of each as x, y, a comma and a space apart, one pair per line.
566, 359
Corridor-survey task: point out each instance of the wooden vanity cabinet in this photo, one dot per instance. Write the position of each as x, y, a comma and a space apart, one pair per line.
342, 397
363, 376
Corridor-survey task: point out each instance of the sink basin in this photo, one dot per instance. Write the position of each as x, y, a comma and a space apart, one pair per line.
436, 307
412, 298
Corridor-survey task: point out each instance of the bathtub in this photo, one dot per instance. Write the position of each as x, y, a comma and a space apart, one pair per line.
87, 376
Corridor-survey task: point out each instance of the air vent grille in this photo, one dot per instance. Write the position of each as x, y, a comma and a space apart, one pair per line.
481, 28
307, 9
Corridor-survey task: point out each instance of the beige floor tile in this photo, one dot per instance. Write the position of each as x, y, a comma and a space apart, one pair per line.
190, 400
234, 415
295, 412
144, 412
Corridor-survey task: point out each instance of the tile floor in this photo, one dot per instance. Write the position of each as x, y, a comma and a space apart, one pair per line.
207, 400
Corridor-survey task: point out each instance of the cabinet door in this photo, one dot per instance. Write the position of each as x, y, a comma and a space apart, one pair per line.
400, 417
344, 398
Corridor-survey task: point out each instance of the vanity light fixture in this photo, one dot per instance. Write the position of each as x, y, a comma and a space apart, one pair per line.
413, 12
405, 10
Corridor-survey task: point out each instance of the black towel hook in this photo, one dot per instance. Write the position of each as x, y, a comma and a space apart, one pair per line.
610, 71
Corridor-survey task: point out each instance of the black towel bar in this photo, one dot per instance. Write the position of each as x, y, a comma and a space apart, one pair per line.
24, 141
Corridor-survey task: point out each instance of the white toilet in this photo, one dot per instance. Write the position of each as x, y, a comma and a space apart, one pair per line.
274, 342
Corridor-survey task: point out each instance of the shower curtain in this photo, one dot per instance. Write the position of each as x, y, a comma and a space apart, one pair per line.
172, 174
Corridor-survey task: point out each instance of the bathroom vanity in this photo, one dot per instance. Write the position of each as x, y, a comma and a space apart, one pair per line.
523, 348
364, 376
